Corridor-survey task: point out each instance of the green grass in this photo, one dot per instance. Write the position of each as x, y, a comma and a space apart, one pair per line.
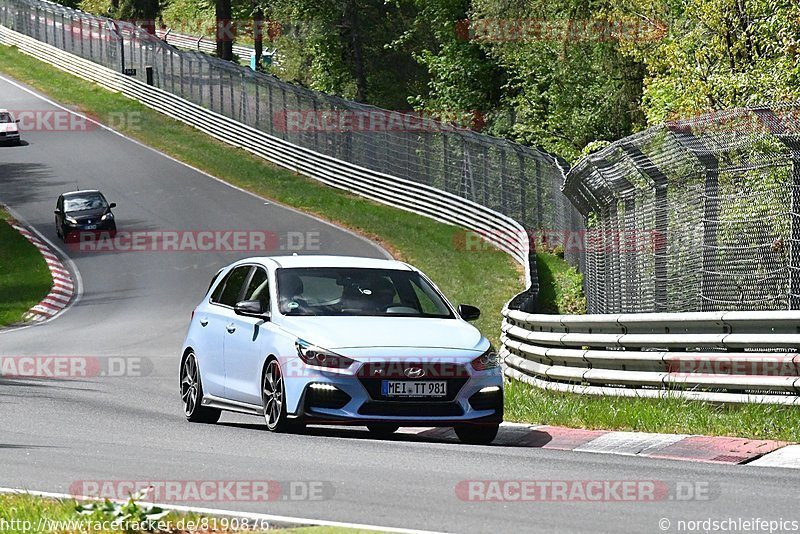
527, 404
560, 285
44, 515
485, 278
24, 277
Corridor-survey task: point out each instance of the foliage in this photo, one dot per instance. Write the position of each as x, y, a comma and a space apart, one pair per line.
126, 514
561, 88
720, 54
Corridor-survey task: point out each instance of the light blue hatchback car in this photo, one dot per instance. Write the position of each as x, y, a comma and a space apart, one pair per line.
339, 340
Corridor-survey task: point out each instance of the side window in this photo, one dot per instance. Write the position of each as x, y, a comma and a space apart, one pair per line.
227, 293
214, 279
258, 288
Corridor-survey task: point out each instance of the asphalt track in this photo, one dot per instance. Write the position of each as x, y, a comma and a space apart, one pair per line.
137, 304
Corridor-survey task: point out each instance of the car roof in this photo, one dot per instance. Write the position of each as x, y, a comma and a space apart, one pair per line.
81, 192
4, 110
314, 260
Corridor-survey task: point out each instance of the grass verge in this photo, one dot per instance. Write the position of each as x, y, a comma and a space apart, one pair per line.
560, 285
24, 277
23, 514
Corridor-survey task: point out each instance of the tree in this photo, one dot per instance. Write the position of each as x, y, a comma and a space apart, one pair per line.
223, 11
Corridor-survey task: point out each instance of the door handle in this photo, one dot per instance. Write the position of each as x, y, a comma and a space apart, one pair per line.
231, 328
204, 322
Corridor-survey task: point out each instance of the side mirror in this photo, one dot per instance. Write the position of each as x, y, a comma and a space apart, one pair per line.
112, 205
17, 121
250, 308
57, 212
468, 313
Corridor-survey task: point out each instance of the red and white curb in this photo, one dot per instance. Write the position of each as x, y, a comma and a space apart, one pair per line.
63, 287
708, 449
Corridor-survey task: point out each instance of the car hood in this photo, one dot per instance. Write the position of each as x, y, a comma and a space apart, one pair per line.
90, 215
389, 333
7, 127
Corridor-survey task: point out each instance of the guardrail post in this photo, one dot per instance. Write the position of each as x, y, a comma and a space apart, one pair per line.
660, 232
789, 139
710, 211
794, 245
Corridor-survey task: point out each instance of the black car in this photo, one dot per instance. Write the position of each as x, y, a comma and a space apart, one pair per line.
81, 211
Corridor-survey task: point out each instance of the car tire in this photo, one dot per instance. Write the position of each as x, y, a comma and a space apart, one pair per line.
477, 434
192, 394
273, 398
383, 430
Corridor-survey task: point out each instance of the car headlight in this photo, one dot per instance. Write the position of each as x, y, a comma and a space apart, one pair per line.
314, 355
107, 216
487, 360
71, 220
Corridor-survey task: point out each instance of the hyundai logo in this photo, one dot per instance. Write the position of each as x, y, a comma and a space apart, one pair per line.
414, 372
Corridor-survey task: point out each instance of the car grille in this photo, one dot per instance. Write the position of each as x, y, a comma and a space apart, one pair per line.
411, 409
371, 375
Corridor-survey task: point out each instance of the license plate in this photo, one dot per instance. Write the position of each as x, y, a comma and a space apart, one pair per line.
403, 388
91, 227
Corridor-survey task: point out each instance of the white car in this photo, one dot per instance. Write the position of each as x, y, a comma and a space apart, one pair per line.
338, 340
9, 131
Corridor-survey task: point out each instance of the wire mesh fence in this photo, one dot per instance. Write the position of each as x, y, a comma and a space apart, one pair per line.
521, 182
695, 215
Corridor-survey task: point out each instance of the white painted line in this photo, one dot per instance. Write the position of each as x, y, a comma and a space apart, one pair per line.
58, 296
788, 457
232, 513
630, 443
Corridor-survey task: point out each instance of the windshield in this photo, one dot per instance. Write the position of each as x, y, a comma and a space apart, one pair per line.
5, 118
361, 292
83, 203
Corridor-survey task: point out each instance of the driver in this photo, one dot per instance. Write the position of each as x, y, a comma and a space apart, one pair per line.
382, 293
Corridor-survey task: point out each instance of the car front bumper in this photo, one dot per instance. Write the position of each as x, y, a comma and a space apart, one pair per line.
9, 137
342, 398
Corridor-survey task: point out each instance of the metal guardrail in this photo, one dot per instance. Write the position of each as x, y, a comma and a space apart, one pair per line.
200, 43
504, 232
735, 357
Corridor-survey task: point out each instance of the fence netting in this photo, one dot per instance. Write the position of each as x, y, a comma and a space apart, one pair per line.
695, 215
521, 182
